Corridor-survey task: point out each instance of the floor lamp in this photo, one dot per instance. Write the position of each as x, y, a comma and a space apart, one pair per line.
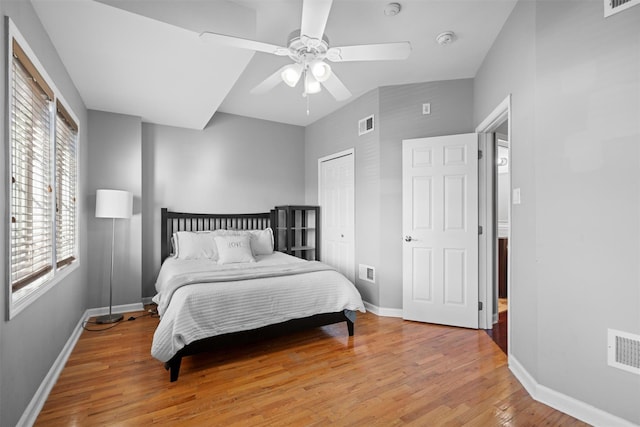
112, 204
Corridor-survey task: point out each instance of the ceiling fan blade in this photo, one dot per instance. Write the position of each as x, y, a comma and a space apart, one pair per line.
336, 88
244, 43
314, 18
269, 83
370, 52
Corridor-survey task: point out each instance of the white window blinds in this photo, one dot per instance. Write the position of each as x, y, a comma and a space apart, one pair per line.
66, 136
44, 145
31, 190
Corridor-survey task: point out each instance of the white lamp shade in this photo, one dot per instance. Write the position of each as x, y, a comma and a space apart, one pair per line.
311, 85
320, 70
291, 74
114, 204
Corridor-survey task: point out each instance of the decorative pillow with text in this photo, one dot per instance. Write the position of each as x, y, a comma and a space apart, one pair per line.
233, 249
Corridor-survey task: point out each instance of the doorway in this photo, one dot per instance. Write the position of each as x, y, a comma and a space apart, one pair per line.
502, 193
495, 213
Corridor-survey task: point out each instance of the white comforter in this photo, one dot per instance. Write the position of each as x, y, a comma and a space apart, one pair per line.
204, 308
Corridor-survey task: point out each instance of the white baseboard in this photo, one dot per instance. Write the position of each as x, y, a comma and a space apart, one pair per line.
567, 404
381, 311
147, 300
125, 308
38, 400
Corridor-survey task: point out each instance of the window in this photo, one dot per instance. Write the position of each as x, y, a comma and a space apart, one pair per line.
43, 171
66, 136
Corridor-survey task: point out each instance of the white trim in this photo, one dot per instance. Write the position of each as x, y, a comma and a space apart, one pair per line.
383, 312
147, 300
38, 400
500, 114
125, 308
563, 403
335, 156
14, 305
486, 241
34, 407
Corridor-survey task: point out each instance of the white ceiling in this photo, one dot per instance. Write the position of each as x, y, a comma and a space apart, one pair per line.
144, 57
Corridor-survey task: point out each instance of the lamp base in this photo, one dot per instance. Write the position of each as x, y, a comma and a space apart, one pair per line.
109, 318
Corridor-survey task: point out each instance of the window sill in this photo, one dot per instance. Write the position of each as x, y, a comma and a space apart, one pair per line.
19, 302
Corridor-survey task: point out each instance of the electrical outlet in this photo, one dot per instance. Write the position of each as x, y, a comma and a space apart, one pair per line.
426, 108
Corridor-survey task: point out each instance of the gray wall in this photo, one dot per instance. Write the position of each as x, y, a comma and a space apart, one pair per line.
510, 67
575, 80
236, 164
378, 167
401, 118
338, 132
115, 162
31, 341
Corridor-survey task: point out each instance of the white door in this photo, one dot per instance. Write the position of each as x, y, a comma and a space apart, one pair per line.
440, 229
336, 184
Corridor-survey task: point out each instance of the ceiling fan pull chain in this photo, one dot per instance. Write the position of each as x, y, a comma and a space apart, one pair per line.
307, 104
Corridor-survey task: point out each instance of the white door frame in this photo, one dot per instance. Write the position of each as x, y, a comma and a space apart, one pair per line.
352, 152
486, 206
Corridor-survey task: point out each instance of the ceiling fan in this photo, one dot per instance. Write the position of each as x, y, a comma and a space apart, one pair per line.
308, 48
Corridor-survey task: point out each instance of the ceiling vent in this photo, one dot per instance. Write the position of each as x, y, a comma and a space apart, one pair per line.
365, 125
624, 351
614, 6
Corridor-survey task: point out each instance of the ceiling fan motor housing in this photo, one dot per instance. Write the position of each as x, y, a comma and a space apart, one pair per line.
303, 49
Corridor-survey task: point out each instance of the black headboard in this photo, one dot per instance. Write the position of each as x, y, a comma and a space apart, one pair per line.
181, 221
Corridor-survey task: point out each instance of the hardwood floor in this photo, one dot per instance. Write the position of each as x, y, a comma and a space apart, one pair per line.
392, 372
499, 331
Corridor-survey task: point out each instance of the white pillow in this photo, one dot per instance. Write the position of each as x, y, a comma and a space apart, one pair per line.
262, 241
195, 245
234, 248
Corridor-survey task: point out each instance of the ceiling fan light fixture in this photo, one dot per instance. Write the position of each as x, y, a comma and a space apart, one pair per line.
311, 85
320, 70
291, 74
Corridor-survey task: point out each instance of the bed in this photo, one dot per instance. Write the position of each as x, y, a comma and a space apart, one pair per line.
221, 283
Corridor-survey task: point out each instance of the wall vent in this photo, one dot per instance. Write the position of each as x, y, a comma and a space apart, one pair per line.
365, 125
615, 6
366, 272
624, 351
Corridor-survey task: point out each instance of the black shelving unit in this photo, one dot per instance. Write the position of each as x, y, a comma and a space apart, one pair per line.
297, 231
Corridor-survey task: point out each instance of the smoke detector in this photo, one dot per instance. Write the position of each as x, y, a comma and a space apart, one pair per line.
392, 9
445, 38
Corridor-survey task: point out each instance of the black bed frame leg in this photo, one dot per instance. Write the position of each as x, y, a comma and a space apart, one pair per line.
174, 366
350, 327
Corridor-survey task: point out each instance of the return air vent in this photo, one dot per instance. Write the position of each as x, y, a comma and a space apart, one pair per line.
366, 272
615, 6
624, 351
365, 125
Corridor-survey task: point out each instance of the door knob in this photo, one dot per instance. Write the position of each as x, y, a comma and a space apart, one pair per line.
408, 238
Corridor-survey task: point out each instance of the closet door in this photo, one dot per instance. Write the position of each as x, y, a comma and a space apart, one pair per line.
336, 190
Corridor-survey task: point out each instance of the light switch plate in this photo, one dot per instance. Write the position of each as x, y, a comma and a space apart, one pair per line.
426, 108
516, 196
